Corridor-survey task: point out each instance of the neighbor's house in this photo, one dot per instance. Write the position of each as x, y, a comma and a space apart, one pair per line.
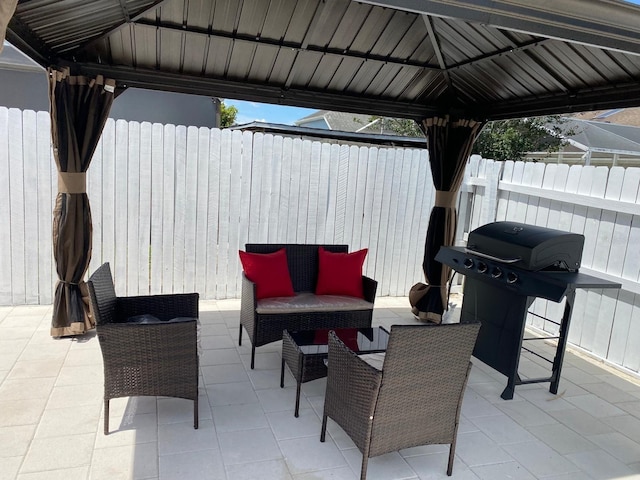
597, 142
24, 86
343, 122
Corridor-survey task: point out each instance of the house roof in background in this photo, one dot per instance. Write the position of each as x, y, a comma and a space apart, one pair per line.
602, 136
345, 122
349, 137
395, 58
14, 59
620, 116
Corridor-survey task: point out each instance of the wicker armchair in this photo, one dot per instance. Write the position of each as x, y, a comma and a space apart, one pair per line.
153, 358
413, 400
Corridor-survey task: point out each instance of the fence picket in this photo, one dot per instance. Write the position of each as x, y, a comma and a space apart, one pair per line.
275, 193
367, 215
190, 137
157, 204
376, 213
294, 191
517, 205
6, 284
201, 246
333, 162
133, 206
632, 352
46, 195
119, 190
145, 209
16, 211
381, 273
216, 149
30, 178
168, 207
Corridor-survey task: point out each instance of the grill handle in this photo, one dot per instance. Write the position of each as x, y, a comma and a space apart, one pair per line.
491, 257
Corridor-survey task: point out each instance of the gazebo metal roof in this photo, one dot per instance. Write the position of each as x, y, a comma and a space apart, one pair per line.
401, 58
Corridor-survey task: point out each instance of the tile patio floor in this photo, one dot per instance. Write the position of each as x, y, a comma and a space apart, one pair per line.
51, 417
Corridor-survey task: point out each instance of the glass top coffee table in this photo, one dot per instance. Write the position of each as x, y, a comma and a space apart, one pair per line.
305, 351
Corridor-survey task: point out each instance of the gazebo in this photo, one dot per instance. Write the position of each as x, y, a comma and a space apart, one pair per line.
450, 65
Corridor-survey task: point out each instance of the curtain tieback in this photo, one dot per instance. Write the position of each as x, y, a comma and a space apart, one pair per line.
69, 283
72, 182
446, 199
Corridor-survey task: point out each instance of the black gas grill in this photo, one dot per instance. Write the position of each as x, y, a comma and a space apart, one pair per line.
507, 266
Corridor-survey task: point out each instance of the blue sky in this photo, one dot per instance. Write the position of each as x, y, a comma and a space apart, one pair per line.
263, 112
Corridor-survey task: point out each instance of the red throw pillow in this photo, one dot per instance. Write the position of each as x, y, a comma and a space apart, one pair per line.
270, 273
340, 273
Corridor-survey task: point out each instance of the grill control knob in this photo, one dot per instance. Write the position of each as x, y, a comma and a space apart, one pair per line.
482, 267
496, 272
468, 263
512, 277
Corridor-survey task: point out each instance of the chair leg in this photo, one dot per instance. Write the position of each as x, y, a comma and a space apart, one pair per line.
452, 454
240, 336
363, 469
195, 413
323, 430
253, 356
106, 417
365, 456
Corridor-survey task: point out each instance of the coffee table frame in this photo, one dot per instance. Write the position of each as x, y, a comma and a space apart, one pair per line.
304, 366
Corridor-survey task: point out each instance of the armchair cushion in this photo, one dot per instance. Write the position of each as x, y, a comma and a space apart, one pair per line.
144, 318
270, 273
340, 273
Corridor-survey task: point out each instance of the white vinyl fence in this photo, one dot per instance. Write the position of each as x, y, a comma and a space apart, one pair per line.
171, 206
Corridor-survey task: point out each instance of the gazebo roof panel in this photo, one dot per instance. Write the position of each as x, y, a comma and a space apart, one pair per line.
495, 60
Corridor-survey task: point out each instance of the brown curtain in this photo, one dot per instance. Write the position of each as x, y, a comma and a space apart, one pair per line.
449, 142
7, 9
79, 108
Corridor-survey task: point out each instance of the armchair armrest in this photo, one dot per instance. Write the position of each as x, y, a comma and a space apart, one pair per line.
352, 386
248, 301
369, 288
169, 346
165, 307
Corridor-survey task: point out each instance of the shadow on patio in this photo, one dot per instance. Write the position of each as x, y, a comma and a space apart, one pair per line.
51, 416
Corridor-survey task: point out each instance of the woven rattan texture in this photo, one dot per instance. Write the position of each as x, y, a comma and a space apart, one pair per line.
414, 400
145, 359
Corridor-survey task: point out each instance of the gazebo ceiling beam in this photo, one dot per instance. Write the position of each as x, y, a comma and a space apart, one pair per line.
428, 23
614, 96
590, 99
23, 39
243, 90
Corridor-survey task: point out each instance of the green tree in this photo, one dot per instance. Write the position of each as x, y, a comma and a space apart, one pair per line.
512, 139
503, 139
228, 115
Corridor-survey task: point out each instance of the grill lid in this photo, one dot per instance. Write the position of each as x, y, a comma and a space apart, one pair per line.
529, 247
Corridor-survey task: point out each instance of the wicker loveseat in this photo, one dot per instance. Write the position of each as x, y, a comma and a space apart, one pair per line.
266, 319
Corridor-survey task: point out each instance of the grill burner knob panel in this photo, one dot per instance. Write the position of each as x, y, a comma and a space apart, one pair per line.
468, 263
496, 272
482, 267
